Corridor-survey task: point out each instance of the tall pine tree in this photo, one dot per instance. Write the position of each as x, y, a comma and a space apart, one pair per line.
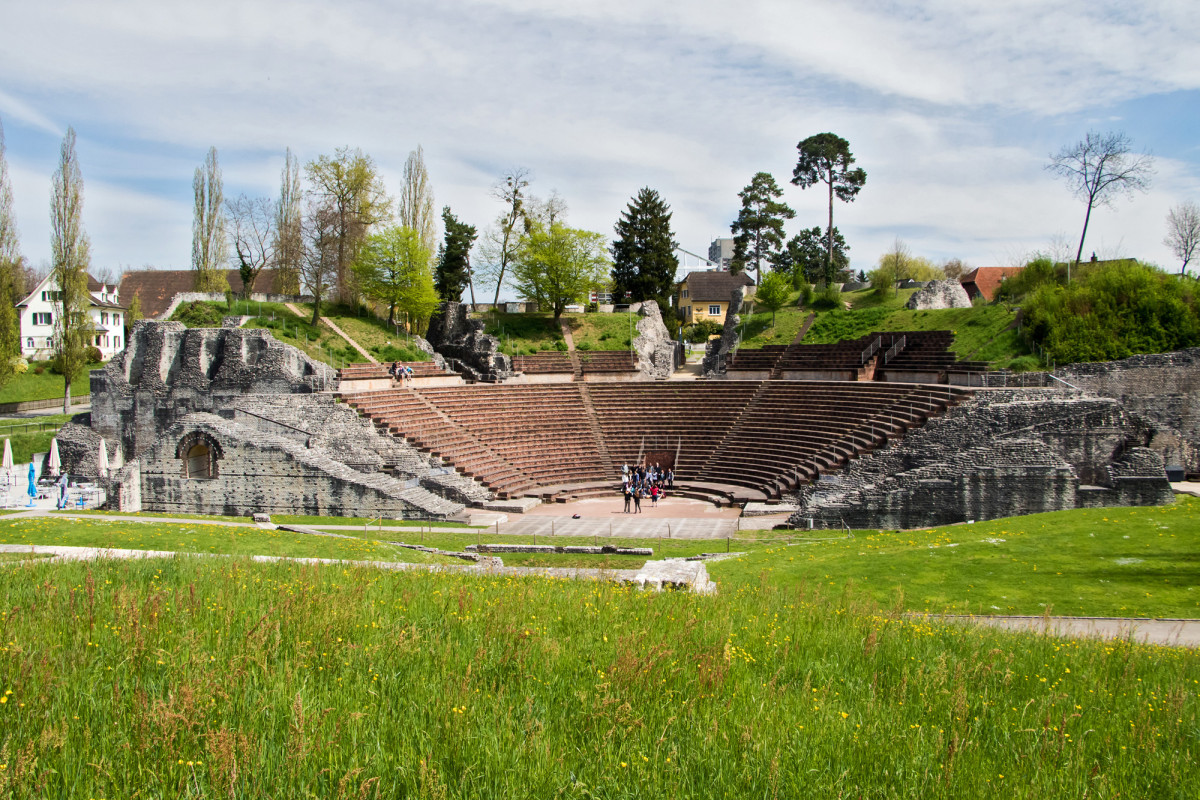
758, 229
644, 260
453, 271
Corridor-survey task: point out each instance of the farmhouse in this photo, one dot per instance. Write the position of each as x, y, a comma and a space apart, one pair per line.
40, 310
704, 295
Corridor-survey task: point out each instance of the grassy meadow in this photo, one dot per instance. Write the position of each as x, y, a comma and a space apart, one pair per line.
47, 386
198, 678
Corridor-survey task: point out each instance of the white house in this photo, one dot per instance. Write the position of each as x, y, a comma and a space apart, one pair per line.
39, 312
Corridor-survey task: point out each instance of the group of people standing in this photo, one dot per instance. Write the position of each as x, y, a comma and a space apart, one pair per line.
643, 481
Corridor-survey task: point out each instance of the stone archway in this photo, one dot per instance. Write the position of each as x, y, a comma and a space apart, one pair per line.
198, 453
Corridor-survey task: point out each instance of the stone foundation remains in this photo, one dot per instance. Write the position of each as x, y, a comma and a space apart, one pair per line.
939, 294
654, 346
716, 356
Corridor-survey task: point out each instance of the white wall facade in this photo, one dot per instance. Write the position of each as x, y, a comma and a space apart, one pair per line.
39, 313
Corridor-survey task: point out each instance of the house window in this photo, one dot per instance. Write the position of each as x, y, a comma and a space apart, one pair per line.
714, 311
29, 342
117, 343
43, 318
103, 317
51, 296
116, 319
98, 341
685, 294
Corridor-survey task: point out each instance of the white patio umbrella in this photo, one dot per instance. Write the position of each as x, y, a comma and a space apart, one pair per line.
7, 464
103, 458
55, 463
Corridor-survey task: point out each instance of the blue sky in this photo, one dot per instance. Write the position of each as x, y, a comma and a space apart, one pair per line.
951, 106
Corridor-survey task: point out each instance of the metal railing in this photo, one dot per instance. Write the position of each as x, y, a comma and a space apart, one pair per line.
895, 349
872, 348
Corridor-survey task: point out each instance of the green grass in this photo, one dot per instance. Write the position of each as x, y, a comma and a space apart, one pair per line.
31, 435
758, 330
980, 333
1094, 562
371, 332
201, 538
602, 331
21, 556
194, 678
318, 342
521, 334
47, 386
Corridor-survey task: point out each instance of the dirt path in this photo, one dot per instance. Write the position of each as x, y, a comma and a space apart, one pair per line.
333, 327
1173, 632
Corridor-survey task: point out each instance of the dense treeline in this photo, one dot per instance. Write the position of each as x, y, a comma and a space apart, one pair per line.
1107, 312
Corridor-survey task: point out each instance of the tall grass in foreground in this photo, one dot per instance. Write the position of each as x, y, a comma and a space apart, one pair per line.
188, 678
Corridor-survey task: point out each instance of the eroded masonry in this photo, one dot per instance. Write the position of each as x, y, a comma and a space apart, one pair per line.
884, 432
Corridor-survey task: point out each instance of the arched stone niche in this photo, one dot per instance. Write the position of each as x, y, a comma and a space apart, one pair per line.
198, 454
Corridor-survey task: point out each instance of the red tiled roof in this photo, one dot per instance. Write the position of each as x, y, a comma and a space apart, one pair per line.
158, 287
714, 285
986, 280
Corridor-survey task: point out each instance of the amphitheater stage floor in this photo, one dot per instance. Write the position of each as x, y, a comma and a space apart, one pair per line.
675, 517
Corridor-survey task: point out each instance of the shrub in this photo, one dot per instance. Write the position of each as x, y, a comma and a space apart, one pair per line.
94, 356
700, 332
583, 346
39, 370
829, 297
561, 346
19, 365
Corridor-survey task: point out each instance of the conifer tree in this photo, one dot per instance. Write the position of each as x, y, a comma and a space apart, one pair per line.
644, 260
758, 230
454, 257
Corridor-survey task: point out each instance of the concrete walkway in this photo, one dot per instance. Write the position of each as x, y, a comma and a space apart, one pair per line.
1143, 630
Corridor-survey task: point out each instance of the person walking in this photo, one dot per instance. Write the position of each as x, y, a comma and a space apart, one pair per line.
628, 492
637, 500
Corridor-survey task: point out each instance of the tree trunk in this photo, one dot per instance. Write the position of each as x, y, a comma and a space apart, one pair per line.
829, 236
316, 311
1079, 253
67, 395
391, 315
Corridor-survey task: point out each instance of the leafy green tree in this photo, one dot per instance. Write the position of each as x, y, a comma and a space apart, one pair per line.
805, 255
758, 230
393, 269
453, 271
644, 260
70, 253
557, 265
773, 293
826, 158
349, 189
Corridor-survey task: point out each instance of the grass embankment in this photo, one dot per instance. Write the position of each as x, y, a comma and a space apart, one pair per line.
317, 341
1124, 562
980, 333
202, 538
602, 331
32, 435
47, 386
523, 334
371, 332
216, 679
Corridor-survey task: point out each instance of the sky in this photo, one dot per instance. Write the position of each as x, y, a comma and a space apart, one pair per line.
953, 108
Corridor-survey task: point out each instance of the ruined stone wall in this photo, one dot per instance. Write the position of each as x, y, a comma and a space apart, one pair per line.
466, 347
259, 471
1163, 389
1001, 454
167, 370
654, 346
716, 356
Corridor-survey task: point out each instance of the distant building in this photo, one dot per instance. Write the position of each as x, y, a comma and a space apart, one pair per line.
705, 295
40, 311
720, 252
156, 288
984, 281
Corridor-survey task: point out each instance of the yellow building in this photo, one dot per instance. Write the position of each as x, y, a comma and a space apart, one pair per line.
704, 296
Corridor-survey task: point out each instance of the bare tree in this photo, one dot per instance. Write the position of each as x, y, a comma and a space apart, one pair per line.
251, 224
416, 201
1183, 232
545, 212
12, 278
498, 245
322, 248
289, 233
71, 256
208, 226
955, 268
1098, 169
